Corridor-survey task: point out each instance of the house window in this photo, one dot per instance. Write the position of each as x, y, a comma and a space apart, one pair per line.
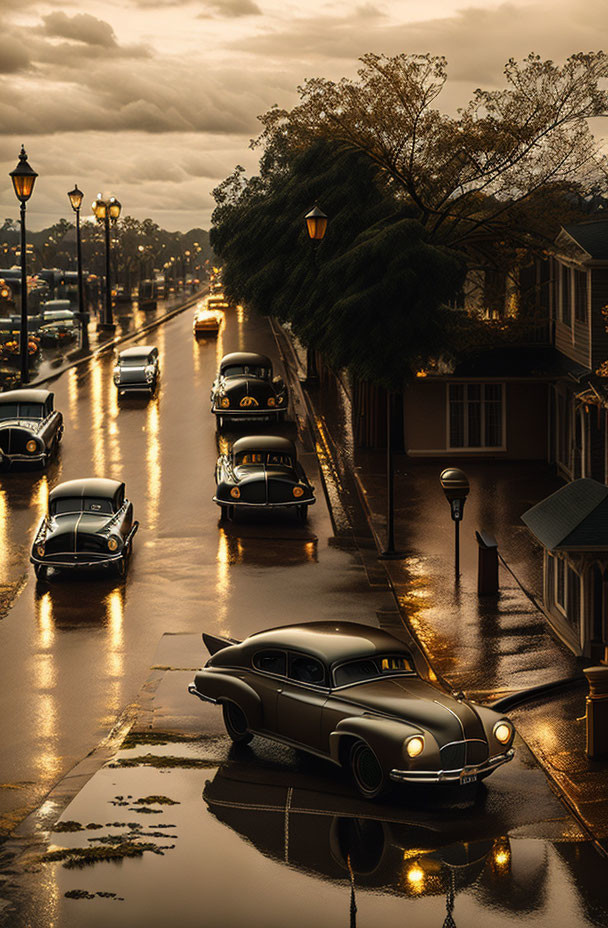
566, 294
560, 583
475, 415
580, 296
573, 612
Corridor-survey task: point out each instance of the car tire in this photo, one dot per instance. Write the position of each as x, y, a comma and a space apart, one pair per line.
41, 571
236, 723
368, 775
302, 512
121, 567
219, 420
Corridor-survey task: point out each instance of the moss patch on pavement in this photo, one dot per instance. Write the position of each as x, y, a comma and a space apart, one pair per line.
136, 738
155, 800
85, 856
161, 762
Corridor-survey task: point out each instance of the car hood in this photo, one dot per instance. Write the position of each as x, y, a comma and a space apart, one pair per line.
413, 700
84, 523
238, 387
133, 374
32, 425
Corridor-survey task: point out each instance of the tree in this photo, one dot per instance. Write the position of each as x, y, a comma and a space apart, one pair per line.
372, 300
463, 176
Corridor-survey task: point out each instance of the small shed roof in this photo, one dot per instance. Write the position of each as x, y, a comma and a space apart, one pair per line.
575, 517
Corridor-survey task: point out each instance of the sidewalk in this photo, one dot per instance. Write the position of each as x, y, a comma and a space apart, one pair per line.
490, 647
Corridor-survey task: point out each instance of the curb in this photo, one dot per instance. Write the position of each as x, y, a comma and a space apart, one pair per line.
112, 343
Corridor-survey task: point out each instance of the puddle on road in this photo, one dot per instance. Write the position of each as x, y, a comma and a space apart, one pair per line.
262, 844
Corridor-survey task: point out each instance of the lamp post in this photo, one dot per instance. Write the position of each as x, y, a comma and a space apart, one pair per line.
316, 226
106, 212
455, 485
75, 197
390, 553
23, 178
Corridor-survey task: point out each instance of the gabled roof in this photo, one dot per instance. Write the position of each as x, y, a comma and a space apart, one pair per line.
575, 517
592, 237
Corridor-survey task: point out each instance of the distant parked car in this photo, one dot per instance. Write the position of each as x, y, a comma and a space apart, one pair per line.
89, 524
350, 693
137, 369
245, 389
262, 472
30, 427
206, 322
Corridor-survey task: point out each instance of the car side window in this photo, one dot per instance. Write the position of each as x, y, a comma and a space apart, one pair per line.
271, 662
306, 669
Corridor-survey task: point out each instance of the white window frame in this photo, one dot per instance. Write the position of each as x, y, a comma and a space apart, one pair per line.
466, 449
557, 561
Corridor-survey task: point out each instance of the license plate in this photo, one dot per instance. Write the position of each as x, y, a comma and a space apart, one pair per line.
470, 778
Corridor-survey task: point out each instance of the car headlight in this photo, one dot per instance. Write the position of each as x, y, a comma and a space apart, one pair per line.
113, 543
271, 401
415, 746
503, 732
298, 492
225, 402
235, 492
31, 446
40, 550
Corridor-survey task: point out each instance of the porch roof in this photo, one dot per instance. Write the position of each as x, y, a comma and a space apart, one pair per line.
592, 237
575, 517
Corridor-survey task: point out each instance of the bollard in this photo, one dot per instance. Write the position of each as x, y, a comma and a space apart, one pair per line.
597, 712
487, 564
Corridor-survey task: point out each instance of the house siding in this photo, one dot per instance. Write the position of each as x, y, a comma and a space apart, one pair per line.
599, 300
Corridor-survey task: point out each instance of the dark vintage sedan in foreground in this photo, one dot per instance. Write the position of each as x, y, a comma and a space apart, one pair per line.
137, 370
245, 389
89, 524
30, 426
350, 693
262, 472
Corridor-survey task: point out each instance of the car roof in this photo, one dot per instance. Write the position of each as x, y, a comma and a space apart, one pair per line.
329, 641
264, 443
25, 396
140, 351
100, 487
245, 357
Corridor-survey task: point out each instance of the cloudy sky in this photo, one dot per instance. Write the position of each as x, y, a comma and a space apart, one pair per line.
156, 100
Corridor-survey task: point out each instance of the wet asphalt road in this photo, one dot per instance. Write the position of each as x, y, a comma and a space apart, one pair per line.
262, 838
75, 651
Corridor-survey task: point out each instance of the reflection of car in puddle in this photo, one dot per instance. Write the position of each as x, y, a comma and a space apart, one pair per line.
298, 821
250, 545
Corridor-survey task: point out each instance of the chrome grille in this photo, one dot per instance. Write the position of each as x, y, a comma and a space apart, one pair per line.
463, 753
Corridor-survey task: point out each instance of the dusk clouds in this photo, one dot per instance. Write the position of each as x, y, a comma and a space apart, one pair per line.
158, 99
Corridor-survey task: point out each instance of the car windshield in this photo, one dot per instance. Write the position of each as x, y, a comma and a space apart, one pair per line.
22, 411
248, 370
81, 504
133, 362
370, 668
247, 458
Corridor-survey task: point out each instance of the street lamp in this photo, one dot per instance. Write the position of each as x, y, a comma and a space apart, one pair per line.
23, 178
316, 226
106, 212
455, 485
75, 197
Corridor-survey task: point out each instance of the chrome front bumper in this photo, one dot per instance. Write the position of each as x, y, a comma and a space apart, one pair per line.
254, 413
93, 560
452, 776
23, 458
238, 503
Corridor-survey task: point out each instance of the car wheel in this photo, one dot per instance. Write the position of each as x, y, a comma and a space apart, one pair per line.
368, 775
41, 571
230, 513
302, 512
219, 422
121, 566
236, 723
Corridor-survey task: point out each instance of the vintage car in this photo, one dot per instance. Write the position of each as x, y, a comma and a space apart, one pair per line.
262, 472
30, 427
137, 370
350, 693
245, 389
89, 524
207, 321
